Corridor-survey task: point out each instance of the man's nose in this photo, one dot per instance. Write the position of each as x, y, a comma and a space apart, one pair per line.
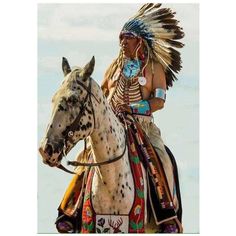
123, 41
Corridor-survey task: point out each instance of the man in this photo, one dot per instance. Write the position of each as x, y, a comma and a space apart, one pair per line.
136, 84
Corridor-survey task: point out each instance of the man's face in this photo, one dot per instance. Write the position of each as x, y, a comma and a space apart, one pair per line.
129, 44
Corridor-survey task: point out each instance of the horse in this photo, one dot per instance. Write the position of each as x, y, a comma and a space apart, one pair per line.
81, 111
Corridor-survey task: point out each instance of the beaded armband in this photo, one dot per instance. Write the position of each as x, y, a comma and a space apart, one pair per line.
142, 108
160, 93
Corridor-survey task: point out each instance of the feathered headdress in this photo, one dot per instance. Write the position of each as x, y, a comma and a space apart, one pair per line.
160, 30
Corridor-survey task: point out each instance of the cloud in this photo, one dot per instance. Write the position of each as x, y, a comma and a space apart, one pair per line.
48, 63
70, 33
86, 22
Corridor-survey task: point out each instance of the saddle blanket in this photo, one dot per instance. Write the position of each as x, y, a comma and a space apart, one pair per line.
93, 222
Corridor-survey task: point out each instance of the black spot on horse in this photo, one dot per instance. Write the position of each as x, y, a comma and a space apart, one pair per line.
83, 127
113, 197
63, 133
101, 138
123, 195
88, 125
123, 186
71, 117
89, 112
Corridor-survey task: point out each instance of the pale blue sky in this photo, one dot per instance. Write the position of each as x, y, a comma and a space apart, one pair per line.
79, 31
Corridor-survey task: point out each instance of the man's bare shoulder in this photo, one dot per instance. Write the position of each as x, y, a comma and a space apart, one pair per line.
158, 66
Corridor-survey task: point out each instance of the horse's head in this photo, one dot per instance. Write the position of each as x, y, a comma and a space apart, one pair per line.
72, 114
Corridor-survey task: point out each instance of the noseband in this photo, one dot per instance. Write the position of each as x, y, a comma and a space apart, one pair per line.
69, 132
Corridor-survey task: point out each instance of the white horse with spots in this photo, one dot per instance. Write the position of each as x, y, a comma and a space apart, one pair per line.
80, 110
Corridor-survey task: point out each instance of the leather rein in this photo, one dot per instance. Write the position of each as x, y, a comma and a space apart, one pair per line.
69, 132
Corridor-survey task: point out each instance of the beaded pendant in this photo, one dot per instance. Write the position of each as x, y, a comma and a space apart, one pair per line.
131, 68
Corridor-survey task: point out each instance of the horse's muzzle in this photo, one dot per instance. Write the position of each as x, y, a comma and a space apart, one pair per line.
50, 158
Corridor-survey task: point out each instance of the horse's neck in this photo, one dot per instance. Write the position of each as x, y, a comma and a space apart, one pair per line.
108, 138
112, 188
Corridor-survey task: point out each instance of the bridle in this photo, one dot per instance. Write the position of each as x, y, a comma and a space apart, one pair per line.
69, 132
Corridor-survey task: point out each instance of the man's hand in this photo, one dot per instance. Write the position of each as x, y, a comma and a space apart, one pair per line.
124, 108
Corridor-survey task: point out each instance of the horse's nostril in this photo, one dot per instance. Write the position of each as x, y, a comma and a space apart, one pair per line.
49, 149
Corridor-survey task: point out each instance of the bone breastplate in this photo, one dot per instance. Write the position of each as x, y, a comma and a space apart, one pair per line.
127, 91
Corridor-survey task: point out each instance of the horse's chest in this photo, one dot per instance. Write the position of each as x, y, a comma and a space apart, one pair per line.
114, 197
118, 207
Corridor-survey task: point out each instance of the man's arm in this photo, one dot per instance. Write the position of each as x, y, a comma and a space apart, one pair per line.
159, 81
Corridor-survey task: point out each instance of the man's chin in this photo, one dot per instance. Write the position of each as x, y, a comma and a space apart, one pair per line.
126, 54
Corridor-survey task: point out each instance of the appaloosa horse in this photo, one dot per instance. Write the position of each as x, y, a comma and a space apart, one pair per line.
80, 110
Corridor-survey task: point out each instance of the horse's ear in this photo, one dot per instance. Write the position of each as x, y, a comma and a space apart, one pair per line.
65, 66
88, 69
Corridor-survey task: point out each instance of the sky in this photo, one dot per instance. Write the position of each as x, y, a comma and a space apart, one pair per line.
19, 126
79, 31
